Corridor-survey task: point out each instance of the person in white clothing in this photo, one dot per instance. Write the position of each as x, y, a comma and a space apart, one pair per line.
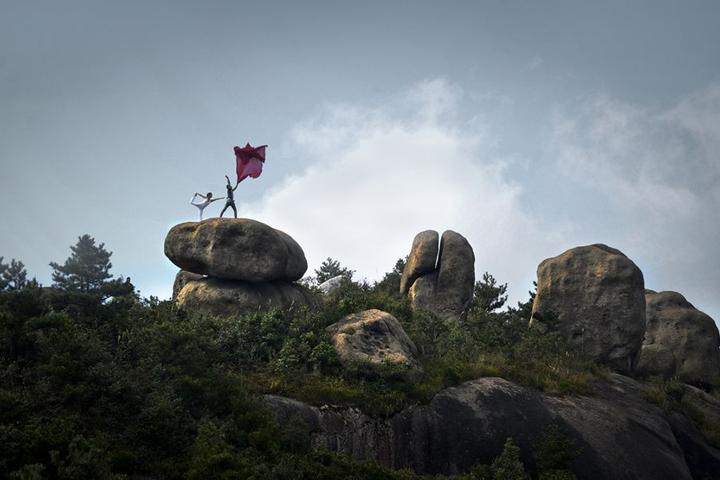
201, 201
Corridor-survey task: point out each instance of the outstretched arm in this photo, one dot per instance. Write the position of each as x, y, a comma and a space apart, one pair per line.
216, 199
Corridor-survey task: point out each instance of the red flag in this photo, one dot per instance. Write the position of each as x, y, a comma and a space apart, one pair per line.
249, 161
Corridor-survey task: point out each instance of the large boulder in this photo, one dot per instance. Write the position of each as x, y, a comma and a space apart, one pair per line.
181, 279
680, 341
215, 296
447, 291
617, 433
594, 296
422, 258
235, 249
372, 337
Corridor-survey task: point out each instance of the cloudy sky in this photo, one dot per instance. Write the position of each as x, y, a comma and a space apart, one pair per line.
529, 128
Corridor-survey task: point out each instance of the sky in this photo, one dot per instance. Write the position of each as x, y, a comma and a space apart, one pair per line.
528, 127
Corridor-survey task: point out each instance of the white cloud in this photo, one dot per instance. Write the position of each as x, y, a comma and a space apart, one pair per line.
377, 176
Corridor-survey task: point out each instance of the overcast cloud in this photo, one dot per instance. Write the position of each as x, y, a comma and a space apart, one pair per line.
529, 129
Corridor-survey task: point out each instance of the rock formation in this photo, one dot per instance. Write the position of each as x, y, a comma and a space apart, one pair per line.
181, 279
594, 296
216, 296
374, 337
249, 266
619, 435
680, 341
422, 258
443, 287
235, 249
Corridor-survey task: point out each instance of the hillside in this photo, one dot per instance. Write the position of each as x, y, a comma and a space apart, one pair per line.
250, 373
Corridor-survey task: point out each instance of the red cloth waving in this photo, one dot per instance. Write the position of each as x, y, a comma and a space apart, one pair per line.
249, 161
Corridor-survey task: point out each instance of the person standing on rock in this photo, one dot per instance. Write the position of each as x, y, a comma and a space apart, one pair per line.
230, 199
249, 162
206, 200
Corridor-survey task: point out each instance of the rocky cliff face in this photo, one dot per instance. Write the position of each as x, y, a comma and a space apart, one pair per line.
594, 296
620, 436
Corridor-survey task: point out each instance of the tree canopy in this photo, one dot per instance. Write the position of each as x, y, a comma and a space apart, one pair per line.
86, 270
331, 268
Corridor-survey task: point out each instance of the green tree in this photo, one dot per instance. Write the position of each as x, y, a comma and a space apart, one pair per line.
488, 295
390, 283
554, 451
524, 309
86, 270
331, 268
14, 276
507, 466
3, 269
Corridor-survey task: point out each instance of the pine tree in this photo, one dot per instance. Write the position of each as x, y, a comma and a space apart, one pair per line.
507, 466
331, 268
14, 276
3, 269
86, 270
488, 295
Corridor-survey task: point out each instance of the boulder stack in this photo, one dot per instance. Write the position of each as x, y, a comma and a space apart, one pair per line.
440, 279
680, 341
235, 266
594, 296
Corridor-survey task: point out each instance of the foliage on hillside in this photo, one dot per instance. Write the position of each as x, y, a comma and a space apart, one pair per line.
98, 383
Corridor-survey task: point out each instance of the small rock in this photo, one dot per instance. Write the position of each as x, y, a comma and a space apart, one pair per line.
331, 284
374, 337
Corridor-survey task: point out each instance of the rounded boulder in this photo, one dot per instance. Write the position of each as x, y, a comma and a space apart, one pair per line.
680, 341
235, 249
594, 297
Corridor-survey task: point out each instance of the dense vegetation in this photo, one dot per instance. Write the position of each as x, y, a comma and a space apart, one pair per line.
98, 383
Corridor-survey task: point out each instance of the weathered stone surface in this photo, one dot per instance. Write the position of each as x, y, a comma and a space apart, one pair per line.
594, 296
215, 296
374, 337
447, 291
422, 259
680, 341
235, 249
331, 284
620, 436
181, 279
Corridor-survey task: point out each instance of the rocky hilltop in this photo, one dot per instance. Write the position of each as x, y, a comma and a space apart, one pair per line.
591, 297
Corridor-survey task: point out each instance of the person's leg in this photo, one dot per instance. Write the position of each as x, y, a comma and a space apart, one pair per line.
234, 209
223, 210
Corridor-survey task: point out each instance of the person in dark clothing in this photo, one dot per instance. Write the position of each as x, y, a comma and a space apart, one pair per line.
230, 199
